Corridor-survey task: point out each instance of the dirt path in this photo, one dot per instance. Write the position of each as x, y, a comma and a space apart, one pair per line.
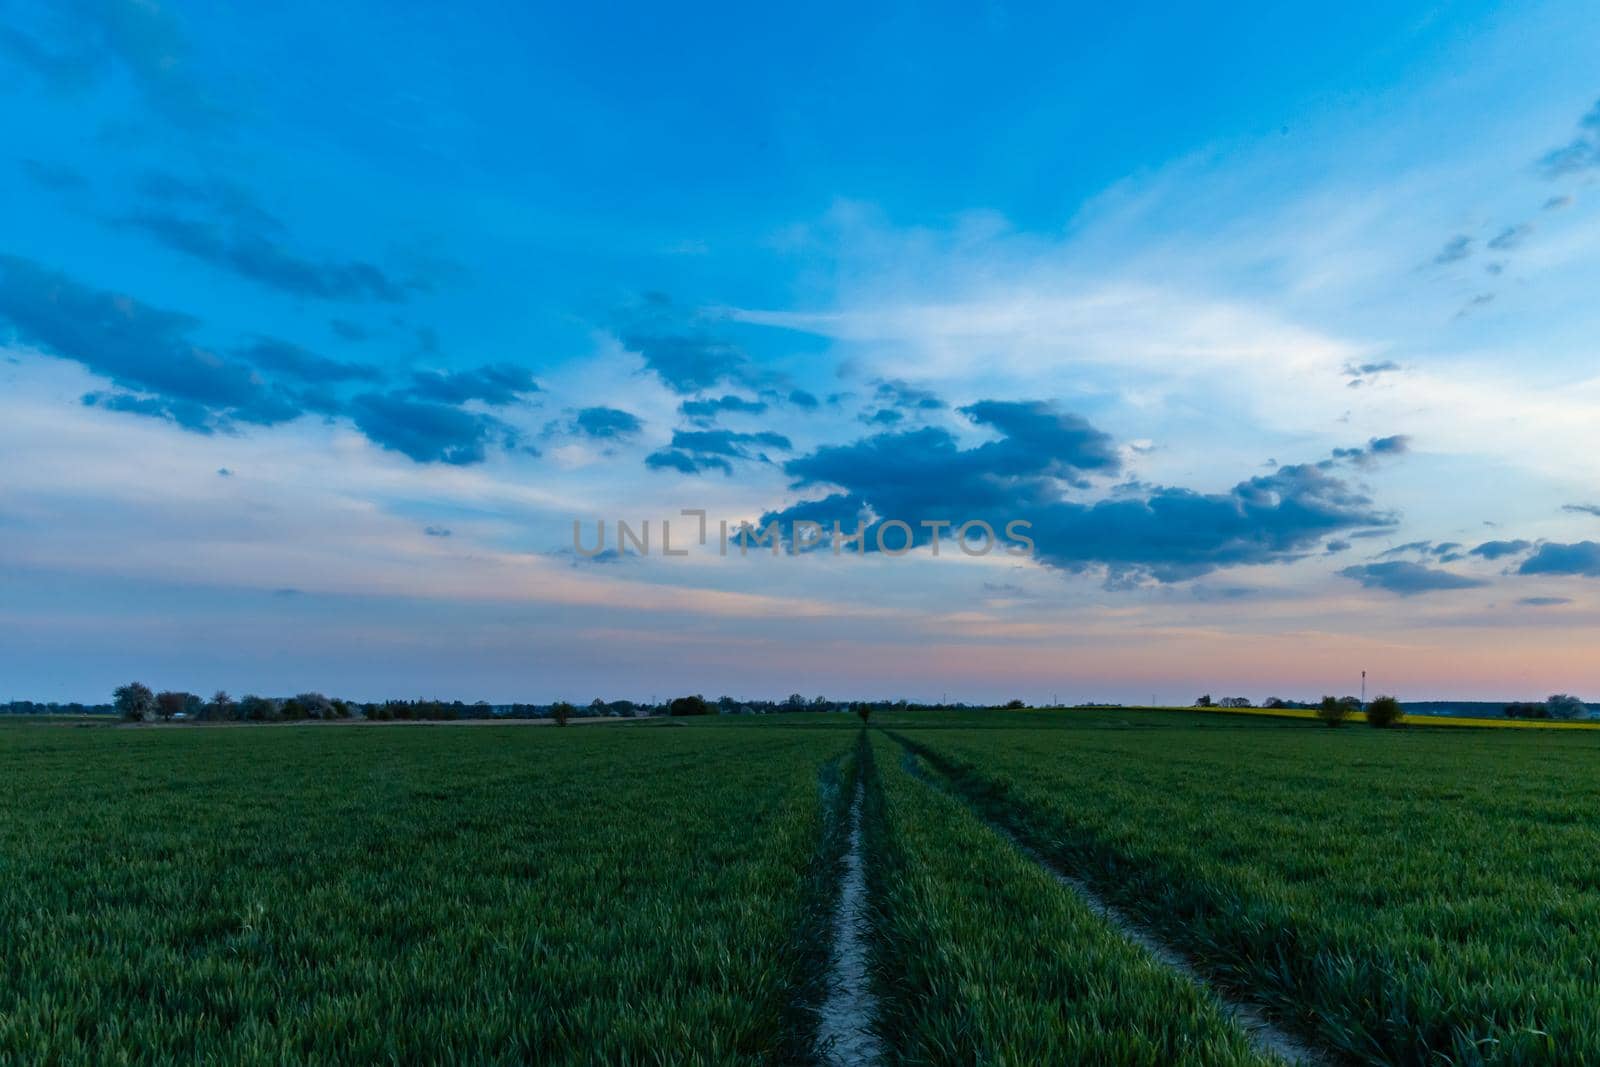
844, 1031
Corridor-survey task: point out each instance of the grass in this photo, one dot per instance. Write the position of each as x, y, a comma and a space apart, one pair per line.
1410, 896
450, 896
986, 959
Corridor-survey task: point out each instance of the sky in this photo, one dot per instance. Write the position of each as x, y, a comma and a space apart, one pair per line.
324, 330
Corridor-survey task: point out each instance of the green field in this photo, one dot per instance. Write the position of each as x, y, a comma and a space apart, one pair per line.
659, 892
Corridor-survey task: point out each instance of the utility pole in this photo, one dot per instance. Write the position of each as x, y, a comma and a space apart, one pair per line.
1363, 689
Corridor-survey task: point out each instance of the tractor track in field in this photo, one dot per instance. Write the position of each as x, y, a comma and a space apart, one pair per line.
1265, 1036
845, 1033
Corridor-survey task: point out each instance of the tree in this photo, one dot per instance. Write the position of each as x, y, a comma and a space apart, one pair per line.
1274, 703
865, 711
315, 706
1236, 702
796, 702
561, 711
169, 704
134, 702
221, 706
1203, 702
1384, 712
259, 709
1565, 706
694, 705
1333, 711
1015, 705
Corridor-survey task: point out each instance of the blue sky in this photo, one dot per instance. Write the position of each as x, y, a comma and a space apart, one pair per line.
319, 329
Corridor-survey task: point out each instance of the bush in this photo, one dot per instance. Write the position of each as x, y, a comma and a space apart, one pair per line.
561, 711
696, 705
1334, 711
1565, 706
1384, 712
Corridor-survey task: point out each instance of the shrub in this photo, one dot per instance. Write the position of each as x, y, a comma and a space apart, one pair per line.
1384, 712
1520, 710
696, 705
1565, 706
1333, 711
561, 711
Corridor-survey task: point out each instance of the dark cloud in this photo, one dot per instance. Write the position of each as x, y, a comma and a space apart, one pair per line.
1544, 601
1358, 372
1556, 203
1582, 509
606, 423
706, 410
1335, 547
1581, 558
1510, 237
685, 463
1578, 155
1418, 547
93, 36
139, 347
262, 259
692, 362
896, 393
1156, 533
224, 472
882, 417
1501, 549
346, 330
1375, 449
699, 451
184, 413
53, 176
437, 531
1455, 250
802, 399
289, 360
428, 432
1408, 579
496, 384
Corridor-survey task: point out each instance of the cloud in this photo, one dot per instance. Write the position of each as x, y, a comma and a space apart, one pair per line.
685, 463
224, 472
1556, 203
1408, 579
437, 531
1335, 547
690, 362
802, 399
1161, 534
706, 411
495, 384
1544, 601
1360, 373
428, 432
1582, 509
1510, 237
1500, 549
137, 346
606, 423
699, 451
142, 37
896, 393
1578, 155
1375, 449
184, 413
346, 330
292, 361
1455, 250
1581, 558
261, 259
53, 176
